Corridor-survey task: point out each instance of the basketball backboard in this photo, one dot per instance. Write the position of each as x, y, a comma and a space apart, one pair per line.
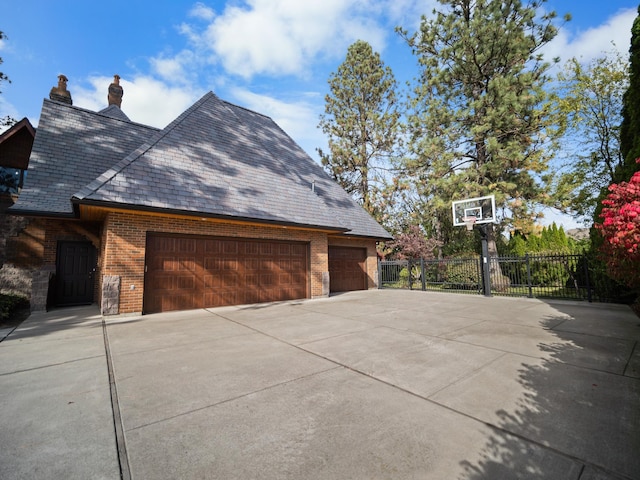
483, 209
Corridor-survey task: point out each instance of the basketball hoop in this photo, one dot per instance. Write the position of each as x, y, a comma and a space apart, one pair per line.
469, 222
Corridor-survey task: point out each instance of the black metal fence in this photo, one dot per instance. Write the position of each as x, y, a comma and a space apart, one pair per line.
544, 276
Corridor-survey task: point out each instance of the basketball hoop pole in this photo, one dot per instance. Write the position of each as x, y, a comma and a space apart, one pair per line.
486, 267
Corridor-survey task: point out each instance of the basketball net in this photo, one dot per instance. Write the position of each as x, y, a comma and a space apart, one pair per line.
469, 222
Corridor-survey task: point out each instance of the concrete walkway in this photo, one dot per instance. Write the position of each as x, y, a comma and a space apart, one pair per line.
366, 385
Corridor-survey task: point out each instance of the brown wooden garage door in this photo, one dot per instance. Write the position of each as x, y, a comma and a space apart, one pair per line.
347, 269
186, 272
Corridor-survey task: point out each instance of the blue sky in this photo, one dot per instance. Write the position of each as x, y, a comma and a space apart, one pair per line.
272, 56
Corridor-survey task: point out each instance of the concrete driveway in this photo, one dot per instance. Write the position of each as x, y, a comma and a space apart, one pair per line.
366, 385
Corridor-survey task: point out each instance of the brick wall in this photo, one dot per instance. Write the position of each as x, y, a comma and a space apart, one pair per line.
124, 241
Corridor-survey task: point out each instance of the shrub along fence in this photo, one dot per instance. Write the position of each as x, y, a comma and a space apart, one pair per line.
543, 276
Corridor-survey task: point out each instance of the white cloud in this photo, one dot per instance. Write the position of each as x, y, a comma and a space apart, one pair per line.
408, 13
179, 69
200, 10
285, 37
146, 100
590, 44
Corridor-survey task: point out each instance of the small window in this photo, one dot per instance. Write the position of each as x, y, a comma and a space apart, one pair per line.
11, 179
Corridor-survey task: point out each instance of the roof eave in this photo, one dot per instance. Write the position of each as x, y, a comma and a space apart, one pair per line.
379, 238
41, 213
186, 213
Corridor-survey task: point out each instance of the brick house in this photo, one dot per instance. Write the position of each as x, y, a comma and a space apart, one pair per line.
221, 207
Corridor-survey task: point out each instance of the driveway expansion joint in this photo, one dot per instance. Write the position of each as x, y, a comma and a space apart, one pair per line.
121, 444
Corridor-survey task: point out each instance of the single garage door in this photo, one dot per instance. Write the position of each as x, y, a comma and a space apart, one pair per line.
186, 272
347, 269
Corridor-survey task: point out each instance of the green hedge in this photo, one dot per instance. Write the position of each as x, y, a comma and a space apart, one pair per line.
10, 304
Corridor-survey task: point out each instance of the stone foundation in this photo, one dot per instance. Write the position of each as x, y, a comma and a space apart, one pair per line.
41, 280
110, 295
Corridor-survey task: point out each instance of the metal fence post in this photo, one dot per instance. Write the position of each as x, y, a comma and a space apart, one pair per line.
586, 276
424, 280
379, 273
526, 257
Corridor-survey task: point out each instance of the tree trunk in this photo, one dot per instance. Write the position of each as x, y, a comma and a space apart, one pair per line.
499, 281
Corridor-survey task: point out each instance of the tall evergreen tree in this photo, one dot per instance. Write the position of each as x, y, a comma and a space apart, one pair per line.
361, 120
481, 120
630, 128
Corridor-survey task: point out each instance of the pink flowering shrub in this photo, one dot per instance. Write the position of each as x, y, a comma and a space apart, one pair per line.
620, 229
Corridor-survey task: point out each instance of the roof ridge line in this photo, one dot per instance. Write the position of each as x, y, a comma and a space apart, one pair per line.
103, 178
86, 110
226, 102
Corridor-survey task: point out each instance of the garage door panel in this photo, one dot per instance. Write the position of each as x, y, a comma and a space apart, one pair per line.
347, 269
284, 264
164, 244
212, 263
186, 245
267, 249
229, 280
185, 282
297, 265
162, 283
252, 264
222, 297
222, 272
298, 250
297, 279
284, 250
229, 264
188, 264
212, 247
230, 247
212, 281
285, 278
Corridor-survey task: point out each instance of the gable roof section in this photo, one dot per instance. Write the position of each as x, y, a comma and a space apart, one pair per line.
223, 161
15, 145
71, 148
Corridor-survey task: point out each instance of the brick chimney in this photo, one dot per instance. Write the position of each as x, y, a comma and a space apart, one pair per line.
60, 93
114, 97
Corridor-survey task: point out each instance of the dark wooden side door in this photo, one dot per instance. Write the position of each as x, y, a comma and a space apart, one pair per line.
76, 262
347, 269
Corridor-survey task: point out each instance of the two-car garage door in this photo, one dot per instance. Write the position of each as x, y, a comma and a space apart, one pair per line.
186, 272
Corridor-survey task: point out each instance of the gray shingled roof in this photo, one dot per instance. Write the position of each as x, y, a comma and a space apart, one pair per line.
72, 147
114, 111
216, 159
